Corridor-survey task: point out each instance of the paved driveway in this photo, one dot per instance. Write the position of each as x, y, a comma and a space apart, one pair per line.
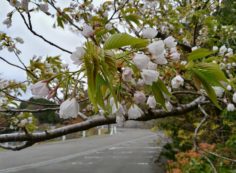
128, 151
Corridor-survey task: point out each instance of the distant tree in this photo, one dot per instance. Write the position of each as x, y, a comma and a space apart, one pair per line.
49, 117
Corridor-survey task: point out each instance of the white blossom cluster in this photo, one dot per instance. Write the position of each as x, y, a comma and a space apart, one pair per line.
148, 66
21, 121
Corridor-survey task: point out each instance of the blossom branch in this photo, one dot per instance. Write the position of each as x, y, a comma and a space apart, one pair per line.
97, 121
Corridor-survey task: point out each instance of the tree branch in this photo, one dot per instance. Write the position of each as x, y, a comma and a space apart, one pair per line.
17, 147
14, 65
27, 101
98, 121
22, 63
28, 110
40, 36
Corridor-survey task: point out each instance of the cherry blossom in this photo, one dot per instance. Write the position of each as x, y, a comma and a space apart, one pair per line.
127, 74
149, 33
219, 91
44, 7
40, 89
156, 48
87, 30
170, 42
77, 56
134, 112
234, 97
141, 61
139, 97
230, 107
149, 76
151, 102
69, 109
177, 81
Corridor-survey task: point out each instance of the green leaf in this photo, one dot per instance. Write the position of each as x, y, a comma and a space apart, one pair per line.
157, 92
133, 18
123, 39
212, 73
210, 91
100, 82
209, 75
92, 68
60, 22
163, 87
199, 53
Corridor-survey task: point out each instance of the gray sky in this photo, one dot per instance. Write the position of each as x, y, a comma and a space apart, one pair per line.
33, 45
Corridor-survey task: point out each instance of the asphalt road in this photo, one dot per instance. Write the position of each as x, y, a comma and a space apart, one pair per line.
128, 151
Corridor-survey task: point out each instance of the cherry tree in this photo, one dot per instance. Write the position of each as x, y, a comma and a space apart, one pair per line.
141, 60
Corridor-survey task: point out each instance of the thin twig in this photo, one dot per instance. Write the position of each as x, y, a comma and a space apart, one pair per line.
40, 36
195, 143
220, 156
60, 12
210, 162
26, 69
17, 66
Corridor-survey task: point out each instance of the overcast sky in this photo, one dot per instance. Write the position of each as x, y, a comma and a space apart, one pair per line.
34, 45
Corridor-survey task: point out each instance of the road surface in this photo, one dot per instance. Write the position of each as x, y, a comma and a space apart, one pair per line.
128, 151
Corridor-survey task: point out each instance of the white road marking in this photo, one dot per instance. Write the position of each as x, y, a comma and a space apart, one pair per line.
93, 157
68, 157
142, 163
130, 147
